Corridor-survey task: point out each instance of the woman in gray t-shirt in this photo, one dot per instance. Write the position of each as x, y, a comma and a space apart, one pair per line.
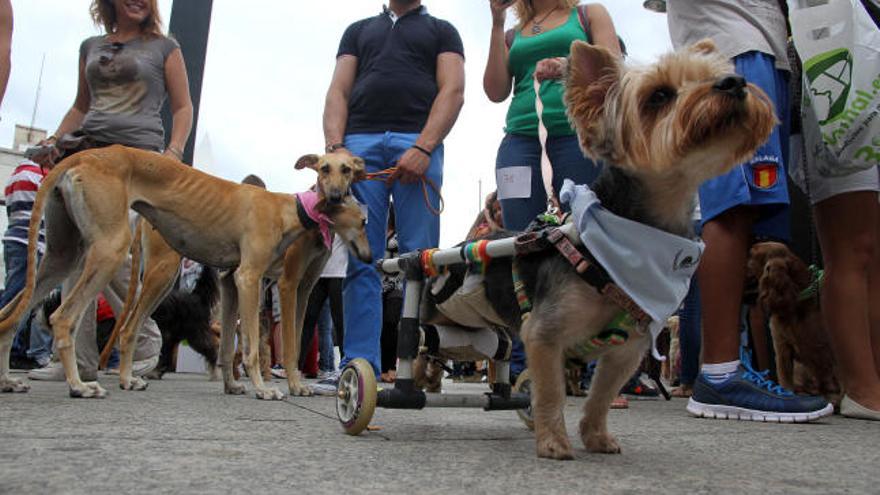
123, 78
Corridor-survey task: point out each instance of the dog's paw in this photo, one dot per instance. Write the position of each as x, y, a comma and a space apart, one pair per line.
134, 383
88, 390
13, 385
552, 446
300, 390
234, 388
601, 443
269, 393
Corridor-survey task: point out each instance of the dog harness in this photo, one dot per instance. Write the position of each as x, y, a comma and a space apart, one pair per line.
310, 217
818, 277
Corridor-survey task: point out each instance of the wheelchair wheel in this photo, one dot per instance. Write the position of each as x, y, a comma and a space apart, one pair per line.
356, 396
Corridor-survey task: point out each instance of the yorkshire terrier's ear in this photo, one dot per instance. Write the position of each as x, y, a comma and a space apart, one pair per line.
704, 46
310, 161
357, 166
592, 72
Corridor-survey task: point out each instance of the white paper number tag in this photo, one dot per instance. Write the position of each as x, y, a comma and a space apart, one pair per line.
514, 182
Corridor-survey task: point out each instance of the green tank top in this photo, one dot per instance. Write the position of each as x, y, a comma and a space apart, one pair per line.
525, 52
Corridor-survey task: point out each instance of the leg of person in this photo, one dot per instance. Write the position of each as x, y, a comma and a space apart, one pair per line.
519, 182
326, 362
337, 313
848, 236
313, 313
392, 304
689, 340
362, 290
731, 206
40, 344
569, 162
15, 261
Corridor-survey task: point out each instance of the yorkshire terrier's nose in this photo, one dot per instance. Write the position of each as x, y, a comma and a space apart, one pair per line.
732, 84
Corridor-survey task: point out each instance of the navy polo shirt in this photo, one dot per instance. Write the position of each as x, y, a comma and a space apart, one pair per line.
396, 80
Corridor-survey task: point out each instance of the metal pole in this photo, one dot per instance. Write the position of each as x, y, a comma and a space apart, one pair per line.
190, 24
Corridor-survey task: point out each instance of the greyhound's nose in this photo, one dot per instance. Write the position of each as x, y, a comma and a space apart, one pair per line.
732, 84
336, 197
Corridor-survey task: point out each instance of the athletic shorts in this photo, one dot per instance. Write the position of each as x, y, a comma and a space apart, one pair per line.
760, 181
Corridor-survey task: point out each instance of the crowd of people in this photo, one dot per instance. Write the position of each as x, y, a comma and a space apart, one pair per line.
396, 92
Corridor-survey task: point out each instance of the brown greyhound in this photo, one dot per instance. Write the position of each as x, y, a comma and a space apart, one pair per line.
249, 230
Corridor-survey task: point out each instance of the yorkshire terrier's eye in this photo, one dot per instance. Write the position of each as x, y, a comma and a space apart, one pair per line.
660, 97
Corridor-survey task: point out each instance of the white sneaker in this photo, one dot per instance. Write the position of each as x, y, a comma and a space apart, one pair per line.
54, 372
327, 385
138, 368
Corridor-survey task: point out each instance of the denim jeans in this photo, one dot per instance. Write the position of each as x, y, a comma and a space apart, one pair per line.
30, 340
689, 333
417, 228
326, 358
568, 162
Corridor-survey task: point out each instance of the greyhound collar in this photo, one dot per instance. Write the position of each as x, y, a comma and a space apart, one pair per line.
310, 217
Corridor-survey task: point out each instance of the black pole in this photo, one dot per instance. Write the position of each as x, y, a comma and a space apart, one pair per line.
189, 25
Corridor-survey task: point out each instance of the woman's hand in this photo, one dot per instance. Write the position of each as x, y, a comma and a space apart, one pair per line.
499, 10
551, 68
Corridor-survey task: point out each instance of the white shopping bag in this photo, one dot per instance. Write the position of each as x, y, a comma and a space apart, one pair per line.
839, 45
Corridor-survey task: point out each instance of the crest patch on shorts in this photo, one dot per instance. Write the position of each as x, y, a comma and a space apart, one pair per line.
764, 175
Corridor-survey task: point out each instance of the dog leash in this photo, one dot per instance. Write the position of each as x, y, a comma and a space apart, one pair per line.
388, 173
553, 209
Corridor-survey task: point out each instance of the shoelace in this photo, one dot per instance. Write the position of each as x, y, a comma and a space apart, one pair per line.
760, 379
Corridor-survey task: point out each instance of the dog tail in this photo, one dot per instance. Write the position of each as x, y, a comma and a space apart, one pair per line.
206, 289
13, 311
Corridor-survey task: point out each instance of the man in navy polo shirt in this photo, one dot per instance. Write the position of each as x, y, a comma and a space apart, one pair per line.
395, 94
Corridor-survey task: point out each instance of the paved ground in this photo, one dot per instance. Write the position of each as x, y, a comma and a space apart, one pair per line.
184, 436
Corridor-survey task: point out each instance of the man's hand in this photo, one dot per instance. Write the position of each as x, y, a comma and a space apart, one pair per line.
550, 68
411, 166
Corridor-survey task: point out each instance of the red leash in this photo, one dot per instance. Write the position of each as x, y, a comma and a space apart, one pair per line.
388, 173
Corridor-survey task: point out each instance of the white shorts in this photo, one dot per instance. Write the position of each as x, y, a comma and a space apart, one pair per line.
822, 188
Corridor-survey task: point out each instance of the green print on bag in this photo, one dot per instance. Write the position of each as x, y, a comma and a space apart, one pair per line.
829, 76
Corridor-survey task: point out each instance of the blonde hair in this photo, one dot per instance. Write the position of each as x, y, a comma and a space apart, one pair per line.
525, 12
103, 12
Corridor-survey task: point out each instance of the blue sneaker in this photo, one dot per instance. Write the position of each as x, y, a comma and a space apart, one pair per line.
750, 396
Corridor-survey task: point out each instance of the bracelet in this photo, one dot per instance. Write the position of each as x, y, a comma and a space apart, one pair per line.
423, 150
330, 148
176, 152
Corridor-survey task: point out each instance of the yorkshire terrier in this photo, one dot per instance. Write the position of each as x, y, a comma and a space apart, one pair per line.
661, 130
788, 294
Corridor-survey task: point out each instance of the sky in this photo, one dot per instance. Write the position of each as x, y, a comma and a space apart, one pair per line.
268, 67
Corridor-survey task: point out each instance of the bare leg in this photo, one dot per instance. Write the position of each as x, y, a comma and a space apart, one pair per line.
722, 274
847, 225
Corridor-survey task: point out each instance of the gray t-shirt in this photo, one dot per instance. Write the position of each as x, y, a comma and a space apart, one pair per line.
127, 86
736, 26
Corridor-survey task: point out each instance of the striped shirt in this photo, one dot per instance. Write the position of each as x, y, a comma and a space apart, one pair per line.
21, 191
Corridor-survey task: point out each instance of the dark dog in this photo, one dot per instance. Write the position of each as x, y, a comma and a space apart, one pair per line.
186, 316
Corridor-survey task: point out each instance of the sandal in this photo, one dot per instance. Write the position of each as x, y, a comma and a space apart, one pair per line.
620, 403
389, 376
682, 391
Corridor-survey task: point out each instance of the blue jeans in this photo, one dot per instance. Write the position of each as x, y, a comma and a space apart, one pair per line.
689, 330
568, 162
326, 359
39, 345
417, 228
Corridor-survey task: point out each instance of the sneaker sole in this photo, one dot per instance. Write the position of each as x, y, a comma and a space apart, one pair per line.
712, 411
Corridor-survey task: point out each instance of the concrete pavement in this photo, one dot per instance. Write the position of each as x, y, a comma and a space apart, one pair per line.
184, 436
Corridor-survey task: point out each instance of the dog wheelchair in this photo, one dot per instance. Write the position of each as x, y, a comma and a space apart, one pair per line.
357, 395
